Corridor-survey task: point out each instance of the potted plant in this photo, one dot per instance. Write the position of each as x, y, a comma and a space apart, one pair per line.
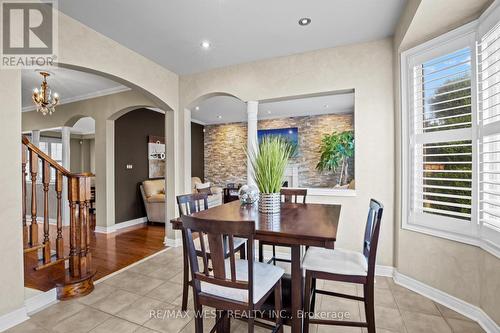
268, 163
336, 149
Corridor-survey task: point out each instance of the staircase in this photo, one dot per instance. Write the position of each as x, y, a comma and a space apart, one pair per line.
74, 263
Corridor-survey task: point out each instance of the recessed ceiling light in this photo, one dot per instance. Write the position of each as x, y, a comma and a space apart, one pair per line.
205, 44
304, 21
197, 108
268, 111
220, 117
325, 106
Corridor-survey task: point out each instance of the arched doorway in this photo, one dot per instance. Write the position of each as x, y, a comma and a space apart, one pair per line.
99, 113
195, 122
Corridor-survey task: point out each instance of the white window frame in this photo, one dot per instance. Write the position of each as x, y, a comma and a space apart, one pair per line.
48, 140
490, 239
469, 232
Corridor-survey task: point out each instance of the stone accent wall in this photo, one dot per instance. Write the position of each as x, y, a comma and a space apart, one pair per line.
225, 160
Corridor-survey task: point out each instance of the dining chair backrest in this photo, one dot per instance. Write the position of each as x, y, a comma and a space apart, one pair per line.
293, 194
216, 232
372, 231
192, 203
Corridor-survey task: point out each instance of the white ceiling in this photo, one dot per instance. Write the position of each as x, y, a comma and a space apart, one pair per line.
170, 32
226, 109
85, 125
71, 85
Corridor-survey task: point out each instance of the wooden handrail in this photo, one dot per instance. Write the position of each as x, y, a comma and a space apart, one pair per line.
53, 163
45, 157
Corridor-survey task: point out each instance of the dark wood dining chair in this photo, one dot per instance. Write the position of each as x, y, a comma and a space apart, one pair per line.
189, 204
233, 284
345, 266
294, 195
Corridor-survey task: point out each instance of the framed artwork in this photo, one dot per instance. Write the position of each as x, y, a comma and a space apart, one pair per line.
156, 156
291, 135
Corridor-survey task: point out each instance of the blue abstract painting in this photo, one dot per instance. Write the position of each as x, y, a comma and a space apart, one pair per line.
289, 134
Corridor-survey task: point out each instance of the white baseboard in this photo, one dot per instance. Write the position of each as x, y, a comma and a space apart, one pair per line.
31, 306
172, 242
13, 318
381, 270
470, 311
121, 225
40, 301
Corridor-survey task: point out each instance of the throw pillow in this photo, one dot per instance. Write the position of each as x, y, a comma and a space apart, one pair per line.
204, 188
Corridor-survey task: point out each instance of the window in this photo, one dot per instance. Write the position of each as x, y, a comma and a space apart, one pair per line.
451, 135
53, 148
489, 135
442, 140
440, 137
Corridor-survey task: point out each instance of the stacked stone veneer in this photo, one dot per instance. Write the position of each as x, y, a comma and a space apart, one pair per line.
225, 159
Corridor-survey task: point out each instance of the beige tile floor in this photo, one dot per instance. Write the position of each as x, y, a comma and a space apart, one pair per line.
123, 304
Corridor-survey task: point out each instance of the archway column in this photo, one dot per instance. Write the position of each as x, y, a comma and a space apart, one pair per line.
252, 141
35, 137
187, 150
66, 163
105, 173
174, 184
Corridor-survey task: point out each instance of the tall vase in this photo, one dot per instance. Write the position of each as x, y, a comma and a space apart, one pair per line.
269, 203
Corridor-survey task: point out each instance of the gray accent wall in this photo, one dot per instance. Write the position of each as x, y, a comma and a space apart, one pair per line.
197, 151
131, 147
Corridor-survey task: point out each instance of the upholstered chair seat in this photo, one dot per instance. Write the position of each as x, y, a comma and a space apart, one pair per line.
338, 261
265, 277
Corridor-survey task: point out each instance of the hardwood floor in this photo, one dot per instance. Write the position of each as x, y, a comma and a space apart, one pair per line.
110, 252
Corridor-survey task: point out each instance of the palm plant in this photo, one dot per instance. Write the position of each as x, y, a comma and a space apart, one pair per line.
335, 150
269, 162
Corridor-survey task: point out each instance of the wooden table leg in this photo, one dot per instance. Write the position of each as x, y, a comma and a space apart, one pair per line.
185, 279
297, 290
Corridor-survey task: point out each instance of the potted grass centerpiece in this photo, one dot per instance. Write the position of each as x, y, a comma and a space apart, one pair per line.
269, 162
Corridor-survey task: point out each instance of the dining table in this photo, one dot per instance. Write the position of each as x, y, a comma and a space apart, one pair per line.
297, 225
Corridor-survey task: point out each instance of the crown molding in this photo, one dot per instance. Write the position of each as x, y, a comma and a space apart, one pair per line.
100, 93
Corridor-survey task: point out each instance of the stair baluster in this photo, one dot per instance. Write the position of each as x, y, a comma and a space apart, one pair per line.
46, 234
24, 161
59, 237
34, 224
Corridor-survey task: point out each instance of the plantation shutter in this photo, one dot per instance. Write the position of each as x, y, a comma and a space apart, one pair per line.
489, 134
441, 140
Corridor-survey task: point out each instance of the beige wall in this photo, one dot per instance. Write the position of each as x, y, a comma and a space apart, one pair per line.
366, 68
464, 271
11, 244
80, 48
80, 154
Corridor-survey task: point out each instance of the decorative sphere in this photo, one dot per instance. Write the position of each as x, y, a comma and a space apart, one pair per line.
248, 194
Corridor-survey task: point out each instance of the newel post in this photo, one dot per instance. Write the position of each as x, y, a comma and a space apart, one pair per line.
74, 230
84, 205
79, 202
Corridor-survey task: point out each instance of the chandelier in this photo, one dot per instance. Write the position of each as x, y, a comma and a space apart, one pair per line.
44, 100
